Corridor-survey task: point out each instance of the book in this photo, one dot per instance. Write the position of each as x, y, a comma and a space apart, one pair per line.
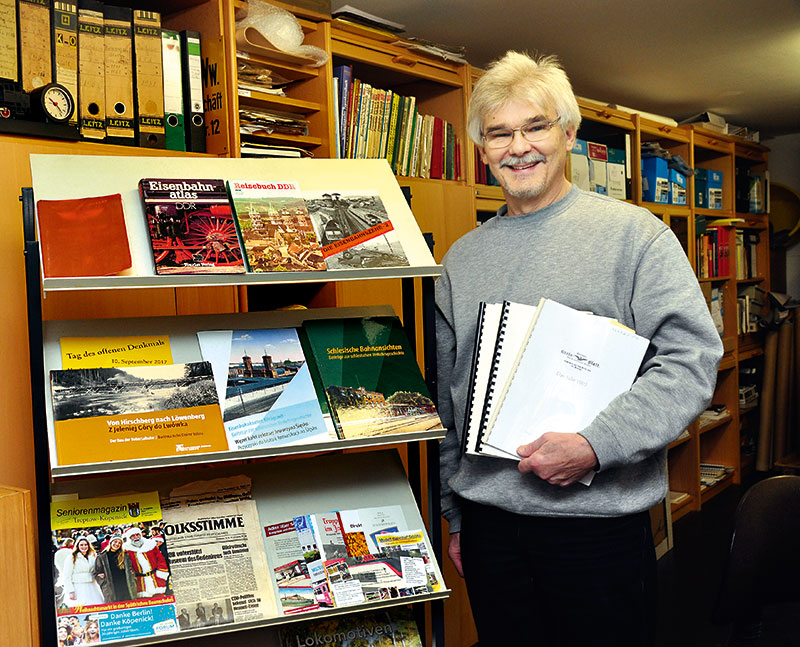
345, 75
136, 412
191, 226
133, 598
67, 226
269, 400
370, 376
393, 626
275, 229
354, 230
569, 367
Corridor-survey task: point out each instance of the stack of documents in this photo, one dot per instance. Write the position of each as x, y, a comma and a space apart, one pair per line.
543, 368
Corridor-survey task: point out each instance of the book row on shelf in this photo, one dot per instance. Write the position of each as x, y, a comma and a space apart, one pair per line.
110, 73
202, 226
714, 247
374, 123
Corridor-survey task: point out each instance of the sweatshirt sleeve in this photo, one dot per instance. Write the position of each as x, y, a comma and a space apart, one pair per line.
677, 378
450, 450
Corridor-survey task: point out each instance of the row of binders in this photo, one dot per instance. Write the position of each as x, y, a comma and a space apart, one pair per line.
133, 83
543, 368
374, 123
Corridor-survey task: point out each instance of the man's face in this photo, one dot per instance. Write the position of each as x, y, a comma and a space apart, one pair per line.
136, 539
530, 173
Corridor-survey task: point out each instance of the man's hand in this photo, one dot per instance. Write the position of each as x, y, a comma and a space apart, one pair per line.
559, 459
454, 550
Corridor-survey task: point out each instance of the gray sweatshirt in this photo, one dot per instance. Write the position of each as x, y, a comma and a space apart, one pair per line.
593, 253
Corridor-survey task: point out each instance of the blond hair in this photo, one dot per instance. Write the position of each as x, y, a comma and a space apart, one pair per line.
521, 77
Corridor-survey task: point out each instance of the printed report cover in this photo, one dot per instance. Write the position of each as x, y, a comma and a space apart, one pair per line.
112, 575
191, 226
275, 228
370, 376
108, 414
264, 387
354, 230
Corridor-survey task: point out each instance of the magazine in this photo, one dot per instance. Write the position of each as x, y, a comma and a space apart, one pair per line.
111, 569
264, 387
112, 414
354, 230
275, 228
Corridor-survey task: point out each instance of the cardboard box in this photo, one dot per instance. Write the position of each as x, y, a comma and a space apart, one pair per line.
677, 187
700, 188
655, 180
579, 165
598, 173
715, 189
615, 170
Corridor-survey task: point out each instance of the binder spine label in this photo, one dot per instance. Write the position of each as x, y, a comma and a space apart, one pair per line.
149, 78
65, 45
119, 79
34, 41
91, 84
8, 40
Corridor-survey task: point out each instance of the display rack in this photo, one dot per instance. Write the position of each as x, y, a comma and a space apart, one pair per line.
351, 479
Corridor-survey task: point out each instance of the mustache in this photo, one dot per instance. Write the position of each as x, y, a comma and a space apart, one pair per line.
528, 158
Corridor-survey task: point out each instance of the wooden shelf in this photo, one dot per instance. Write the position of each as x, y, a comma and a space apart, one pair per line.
708, 492
714, 424
286, 104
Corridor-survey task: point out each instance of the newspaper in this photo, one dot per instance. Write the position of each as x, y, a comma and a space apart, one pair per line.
218, 564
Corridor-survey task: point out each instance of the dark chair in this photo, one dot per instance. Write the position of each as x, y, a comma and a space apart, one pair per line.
764, 561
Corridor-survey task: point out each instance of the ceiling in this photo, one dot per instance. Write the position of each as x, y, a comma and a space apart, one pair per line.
740, 59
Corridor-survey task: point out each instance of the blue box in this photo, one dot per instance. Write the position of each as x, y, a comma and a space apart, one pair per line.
700, 188
580, 175
677, 187
580, 147
714, 189
655, 180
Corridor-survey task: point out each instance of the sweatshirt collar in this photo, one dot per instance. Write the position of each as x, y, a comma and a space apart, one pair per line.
541, 214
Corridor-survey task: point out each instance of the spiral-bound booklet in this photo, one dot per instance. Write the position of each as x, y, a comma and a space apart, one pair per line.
501, 335
570, 366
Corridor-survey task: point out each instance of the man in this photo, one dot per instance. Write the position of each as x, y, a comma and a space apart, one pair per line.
146, 563
548, 560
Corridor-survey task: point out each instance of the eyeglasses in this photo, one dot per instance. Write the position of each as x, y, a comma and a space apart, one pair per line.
533, 131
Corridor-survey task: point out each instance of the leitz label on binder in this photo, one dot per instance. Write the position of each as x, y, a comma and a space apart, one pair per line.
90, 29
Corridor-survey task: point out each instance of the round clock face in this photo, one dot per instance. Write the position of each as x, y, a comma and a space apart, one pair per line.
57, 103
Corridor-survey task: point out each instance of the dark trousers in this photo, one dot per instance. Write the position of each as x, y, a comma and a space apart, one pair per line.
559, 582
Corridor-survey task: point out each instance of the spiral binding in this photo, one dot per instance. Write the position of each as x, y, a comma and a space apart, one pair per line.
498, 348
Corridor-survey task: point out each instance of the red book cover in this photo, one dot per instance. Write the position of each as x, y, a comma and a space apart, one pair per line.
83, 237
437, 149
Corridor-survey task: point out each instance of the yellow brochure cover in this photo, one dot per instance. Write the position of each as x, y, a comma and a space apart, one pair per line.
118, 510
109, 352
117, 414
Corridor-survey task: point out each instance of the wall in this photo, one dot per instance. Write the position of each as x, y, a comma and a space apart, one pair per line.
784, 168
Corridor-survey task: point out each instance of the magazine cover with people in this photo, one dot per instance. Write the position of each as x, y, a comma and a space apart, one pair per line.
111, 570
